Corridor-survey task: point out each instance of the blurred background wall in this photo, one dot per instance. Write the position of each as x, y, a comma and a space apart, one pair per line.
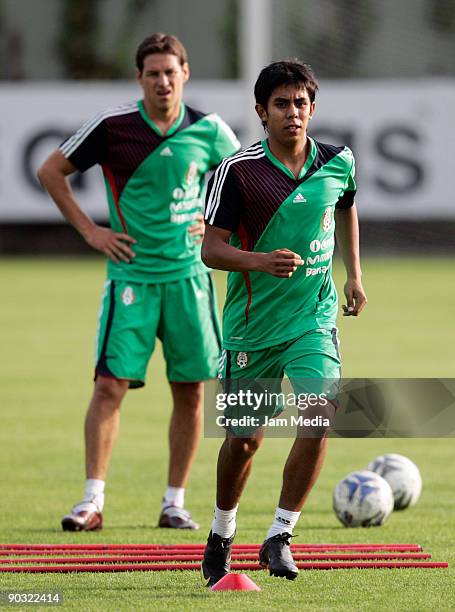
96, 39
387, 80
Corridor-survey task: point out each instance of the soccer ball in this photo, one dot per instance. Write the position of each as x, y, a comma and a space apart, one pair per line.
402, 475
362, 499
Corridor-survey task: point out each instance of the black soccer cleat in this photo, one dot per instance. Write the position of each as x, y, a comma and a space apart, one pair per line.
276, 554
217, 558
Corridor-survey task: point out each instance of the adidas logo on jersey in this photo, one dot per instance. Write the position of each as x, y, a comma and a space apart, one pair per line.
167, 152
299, 198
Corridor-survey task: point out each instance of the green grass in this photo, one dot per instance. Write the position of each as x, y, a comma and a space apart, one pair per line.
48, 311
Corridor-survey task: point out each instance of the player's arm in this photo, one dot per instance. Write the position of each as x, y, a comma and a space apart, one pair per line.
347, 236
224, 204
53, 176
218, 253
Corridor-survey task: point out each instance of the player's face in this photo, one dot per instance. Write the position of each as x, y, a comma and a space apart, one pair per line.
162, 81
288, 112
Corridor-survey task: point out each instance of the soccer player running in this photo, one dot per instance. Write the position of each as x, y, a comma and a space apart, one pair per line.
270, 215
153, 154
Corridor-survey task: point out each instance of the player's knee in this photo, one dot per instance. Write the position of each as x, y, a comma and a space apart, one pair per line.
317, 435
109, 391
187, 397
315, 445
245, 446
193, 406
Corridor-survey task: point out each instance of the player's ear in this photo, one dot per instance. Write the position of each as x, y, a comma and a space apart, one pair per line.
138, 75
262, 113
312, 108
186, 71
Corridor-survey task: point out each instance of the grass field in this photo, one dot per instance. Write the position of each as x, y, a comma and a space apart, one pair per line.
48, 313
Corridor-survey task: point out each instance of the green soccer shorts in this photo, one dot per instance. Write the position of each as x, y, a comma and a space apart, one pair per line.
182, 314
312, 363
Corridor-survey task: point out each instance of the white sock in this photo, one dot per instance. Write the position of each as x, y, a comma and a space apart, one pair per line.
174, 496
94, 492
224, 522
284, 521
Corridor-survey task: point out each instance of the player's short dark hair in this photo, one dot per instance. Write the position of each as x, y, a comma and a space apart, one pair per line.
285, 72
160, 43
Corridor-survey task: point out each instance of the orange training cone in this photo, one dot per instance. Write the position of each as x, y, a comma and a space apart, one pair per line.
235, 582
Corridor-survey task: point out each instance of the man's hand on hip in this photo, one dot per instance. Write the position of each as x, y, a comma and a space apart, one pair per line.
113, 244
197, 229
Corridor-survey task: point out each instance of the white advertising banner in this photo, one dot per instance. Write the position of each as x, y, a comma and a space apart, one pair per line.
402, 134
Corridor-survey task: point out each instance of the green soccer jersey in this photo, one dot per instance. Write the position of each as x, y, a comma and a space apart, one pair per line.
259, 200
154, 183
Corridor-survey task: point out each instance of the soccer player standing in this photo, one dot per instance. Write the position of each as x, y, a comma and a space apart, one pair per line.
270, 215
153, 154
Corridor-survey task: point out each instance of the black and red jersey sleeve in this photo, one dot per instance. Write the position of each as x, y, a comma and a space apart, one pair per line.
224, 202
88, 146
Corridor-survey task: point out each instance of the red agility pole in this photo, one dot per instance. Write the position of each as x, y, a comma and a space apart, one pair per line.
17, 549
181, 553
240, 557
194, 546
193, 566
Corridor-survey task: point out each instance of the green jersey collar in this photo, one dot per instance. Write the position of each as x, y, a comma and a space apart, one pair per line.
174, 127
276, 162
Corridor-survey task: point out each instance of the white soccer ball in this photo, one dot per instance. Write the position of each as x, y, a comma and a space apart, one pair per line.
363, 499
402, 475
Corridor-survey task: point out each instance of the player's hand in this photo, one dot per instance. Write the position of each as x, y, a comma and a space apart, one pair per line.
113, 244
355, 297
197, 229
281, 263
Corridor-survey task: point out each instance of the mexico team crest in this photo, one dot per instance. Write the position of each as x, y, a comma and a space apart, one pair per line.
327, 219
128, 296
242, 359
